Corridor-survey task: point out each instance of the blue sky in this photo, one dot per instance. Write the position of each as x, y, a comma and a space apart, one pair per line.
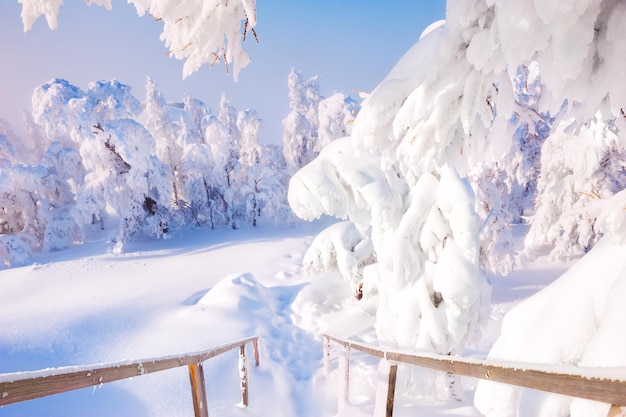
350, 44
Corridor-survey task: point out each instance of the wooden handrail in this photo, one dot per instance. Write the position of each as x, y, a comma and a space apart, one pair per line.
606, 385
23, 386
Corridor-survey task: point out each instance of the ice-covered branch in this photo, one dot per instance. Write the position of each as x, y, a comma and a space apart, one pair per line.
199, 32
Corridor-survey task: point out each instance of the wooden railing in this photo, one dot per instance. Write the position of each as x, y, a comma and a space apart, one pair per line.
23, 386
606, 385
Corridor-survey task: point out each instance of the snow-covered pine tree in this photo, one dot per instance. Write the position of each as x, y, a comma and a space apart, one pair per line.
230, 152
262, 173
450, 108
37, 203
249, 127
168, 125
198, 117
220, 143
270, 178
300, 127
506, 188
578, 169
118, 153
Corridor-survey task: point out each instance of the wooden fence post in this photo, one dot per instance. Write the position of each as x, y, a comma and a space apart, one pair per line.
198, 390
326, 350
343, 377
385, 388
243, 374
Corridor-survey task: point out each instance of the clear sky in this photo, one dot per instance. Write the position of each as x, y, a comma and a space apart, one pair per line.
350, 44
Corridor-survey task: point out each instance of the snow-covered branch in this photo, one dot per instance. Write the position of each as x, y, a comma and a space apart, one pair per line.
197, 31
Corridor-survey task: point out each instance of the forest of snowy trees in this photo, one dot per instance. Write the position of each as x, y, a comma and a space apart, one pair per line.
103, 159
498, 137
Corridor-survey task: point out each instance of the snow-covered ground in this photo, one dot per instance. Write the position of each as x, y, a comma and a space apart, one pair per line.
195, 290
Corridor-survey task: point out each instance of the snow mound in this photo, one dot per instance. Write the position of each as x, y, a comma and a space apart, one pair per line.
242, 291
292, 353
574, 321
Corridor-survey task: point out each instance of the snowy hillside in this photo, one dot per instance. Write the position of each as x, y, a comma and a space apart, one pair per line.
196, 290
495, 143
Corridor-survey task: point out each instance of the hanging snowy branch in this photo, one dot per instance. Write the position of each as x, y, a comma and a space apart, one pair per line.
195, 31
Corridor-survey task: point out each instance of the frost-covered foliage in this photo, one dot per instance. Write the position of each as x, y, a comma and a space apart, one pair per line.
314, 121
198, 31
36, 203
519, 98
577, 168
36, 197
300, 127
336, 115
217, 163
423, 230
118, 153
167, 125
99, 167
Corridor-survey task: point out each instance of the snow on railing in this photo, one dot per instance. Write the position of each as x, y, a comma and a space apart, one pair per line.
22, 386
606, 385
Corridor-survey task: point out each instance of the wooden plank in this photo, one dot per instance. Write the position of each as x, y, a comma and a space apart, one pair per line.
24, 386
542, 377
198, 390
598, 389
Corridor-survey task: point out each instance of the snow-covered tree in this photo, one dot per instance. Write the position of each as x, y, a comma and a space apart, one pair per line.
229, 152
300, 127
576, 169
400, 200
249, 127
271, 178
314, 121
264, 191
477, 98
136, 183
336, 115
251, 175
118, 153
168, 125
37, 203
198, 31
204, 194
198, 118
506, 188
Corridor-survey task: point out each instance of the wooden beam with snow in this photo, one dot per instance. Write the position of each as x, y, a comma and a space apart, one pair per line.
23, 386
606, 385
